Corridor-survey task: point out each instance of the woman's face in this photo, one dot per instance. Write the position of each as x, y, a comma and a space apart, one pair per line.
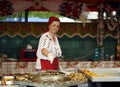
54, 27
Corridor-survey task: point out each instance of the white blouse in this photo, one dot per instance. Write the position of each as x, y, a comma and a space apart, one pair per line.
47, 42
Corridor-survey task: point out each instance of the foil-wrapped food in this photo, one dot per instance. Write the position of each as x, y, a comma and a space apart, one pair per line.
43, 76
51, 72
22, 77
51, 76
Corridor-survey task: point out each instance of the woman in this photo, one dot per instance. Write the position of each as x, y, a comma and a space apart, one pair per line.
48, 48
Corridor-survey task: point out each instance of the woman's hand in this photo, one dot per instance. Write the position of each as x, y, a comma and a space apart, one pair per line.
51, 57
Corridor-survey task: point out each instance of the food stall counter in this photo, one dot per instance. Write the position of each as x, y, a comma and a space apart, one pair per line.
51, 79
102, 77
22, 84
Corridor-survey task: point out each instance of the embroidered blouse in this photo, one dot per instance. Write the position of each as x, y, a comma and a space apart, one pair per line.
47, 42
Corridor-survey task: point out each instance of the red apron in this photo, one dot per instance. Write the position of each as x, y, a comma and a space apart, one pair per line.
46, 65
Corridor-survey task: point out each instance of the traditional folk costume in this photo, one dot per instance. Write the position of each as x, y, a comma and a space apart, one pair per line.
42, 61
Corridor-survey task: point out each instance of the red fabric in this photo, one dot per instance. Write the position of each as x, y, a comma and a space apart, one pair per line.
51, 19
46, 65
40, 9
117, 58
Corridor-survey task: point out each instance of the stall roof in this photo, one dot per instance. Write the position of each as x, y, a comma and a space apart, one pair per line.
92, 4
